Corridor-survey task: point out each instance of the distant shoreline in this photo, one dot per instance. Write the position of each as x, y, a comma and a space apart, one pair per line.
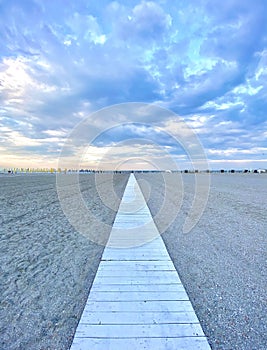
6, 172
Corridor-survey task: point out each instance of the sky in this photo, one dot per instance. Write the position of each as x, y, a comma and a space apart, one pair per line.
202, 63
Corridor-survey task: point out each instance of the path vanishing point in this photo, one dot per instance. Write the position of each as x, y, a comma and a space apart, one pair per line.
137, 300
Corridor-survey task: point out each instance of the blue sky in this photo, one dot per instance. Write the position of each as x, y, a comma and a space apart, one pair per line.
204, 60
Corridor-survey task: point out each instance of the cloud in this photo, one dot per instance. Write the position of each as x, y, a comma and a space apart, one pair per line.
237, 31
136, 154
204, 61
146, 21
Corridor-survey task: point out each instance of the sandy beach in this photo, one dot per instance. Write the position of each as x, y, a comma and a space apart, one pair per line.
47, 267
222, 261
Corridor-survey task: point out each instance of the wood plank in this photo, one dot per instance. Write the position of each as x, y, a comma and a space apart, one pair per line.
136, 279
138, 266
163, 306
139, 331
126, 243
142, 247
198, 343
135, 256
137, 296
136, 273
133, 250
156, 287
138, 317
149, 245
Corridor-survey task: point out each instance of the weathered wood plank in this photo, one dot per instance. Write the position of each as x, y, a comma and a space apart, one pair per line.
137, 296
138, 266
119, 317
136, 273
156, 287
136, 279
139, 331
197, 343
128, 306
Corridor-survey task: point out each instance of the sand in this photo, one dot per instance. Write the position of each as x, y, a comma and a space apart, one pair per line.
222, 262
46, 267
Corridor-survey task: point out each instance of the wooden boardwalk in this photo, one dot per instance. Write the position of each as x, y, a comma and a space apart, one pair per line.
137, 300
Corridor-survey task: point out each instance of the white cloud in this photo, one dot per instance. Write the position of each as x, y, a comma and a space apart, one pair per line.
247, 89
237, 151
17, 82
56, 133
12, 138
223, 104
145, 21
